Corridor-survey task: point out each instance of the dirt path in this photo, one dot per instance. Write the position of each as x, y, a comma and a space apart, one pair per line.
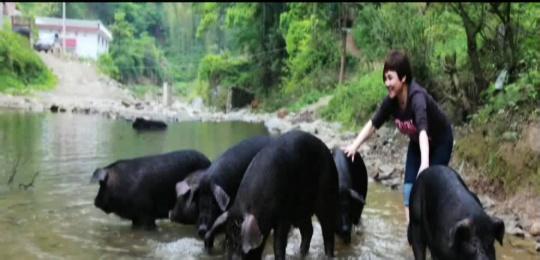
83, 89
81, 81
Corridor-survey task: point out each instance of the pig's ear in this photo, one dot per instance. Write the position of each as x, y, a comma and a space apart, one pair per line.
461, 232
498, 229
221, 197
194, 193
220, 221
250, 233
182, 188
357, 197
99, 175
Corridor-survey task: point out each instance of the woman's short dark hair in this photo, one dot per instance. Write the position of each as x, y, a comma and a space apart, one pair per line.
398, 62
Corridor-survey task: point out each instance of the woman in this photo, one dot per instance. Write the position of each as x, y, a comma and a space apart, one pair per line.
417, 115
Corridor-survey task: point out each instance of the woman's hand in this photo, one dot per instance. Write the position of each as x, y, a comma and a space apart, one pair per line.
422, 168
350, 150
367, 130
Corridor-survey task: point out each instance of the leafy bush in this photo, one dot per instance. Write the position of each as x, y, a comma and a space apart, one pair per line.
218, 73
355, 102
311, 47
107, 66
395, 26
515, 96
21, 69
309, 98
225, 70
134, 59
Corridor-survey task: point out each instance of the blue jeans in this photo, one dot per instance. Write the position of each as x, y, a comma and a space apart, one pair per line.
439, 154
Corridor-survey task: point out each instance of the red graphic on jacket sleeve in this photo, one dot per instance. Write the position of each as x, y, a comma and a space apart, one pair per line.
407, 127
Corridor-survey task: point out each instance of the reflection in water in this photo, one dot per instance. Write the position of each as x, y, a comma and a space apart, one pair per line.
55, 217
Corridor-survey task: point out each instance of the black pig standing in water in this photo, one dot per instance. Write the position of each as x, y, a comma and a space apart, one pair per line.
353, 185
287, 182
218, 185
186, 209
143, 189
141, 124
449, 219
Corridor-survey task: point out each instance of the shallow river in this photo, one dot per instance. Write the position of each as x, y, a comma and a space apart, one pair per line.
46, 200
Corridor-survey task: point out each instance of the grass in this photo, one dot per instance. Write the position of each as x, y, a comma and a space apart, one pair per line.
355, 102
21, 70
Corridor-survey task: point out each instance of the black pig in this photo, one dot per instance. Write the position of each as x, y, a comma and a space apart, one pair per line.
218, 185
353, 185
143, 189
286, 183
449, 219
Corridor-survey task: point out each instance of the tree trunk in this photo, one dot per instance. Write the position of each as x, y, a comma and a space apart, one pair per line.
472, 50
472, 29
509, 48
343, 56
342, 25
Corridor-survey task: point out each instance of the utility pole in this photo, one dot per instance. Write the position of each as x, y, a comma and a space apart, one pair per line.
63, 27
343, 30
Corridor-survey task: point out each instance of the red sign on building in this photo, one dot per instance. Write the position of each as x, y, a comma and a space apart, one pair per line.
71, 43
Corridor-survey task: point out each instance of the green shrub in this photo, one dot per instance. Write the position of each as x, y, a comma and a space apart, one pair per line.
520, 94
310, 55
355, 102
223, 69
21, 69
309, 98
107, 66
218, 73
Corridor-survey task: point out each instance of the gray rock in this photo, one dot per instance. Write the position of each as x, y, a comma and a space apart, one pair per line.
516, 231
487, 202
275, 126
535, 228
385, 172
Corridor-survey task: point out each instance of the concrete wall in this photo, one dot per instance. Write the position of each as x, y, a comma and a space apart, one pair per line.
102, 45
87, 43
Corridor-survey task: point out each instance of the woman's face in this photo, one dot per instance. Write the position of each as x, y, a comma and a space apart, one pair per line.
393, 84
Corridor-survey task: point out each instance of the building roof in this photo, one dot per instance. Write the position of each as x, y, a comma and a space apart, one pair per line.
74, 24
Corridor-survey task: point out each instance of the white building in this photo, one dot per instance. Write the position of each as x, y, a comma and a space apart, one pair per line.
85, 38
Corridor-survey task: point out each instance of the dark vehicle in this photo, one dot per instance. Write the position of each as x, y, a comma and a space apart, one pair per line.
42, 46
22, 26
23, 32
